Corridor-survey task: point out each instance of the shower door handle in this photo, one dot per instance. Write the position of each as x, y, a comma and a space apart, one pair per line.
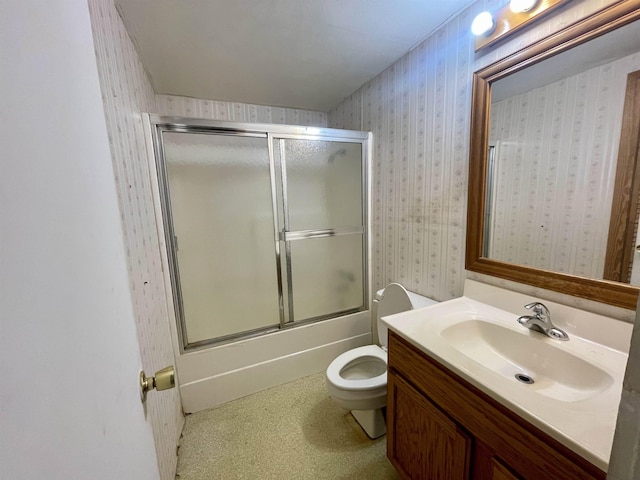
287, 236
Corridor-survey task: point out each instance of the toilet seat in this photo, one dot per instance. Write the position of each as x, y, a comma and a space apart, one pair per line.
341, 361
347, 381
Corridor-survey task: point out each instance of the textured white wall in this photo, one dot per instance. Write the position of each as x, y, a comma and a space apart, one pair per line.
625, 455
127, 93
69, 396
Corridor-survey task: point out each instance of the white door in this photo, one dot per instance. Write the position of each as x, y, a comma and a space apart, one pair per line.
69, 404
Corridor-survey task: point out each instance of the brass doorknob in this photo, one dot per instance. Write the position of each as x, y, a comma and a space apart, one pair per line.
163, 380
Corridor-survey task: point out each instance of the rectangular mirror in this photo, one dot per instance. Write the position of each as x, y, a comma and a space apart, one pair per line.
553, 200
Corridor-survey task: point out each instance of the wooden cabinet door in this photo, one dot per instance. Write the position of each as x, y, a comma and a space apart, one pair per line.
422, 442
501, 472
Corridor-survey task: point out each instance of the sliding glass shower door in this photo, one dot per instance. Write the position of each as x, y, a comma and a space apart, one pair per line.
264, 229
222, 219
322, 225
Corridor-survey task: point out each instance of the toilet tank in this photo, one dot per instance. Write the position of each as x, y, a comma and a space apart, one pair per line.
392, 299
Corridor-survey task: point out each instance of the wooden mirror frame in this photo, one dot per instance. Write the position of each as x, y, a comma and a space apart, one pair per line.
601, 22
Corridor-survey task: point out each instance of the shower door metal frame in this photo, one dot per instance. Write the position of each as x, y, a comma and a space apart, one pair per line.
286, 236
160, 124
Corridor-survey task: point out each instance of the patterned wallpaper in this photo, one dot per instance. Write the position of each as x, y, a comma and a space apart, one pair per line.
126, 93
419, 111
236, 112
556, 148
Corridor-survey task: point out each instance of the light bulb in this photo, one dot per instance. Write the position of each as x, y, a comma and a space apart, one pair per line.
518, 6
482, 24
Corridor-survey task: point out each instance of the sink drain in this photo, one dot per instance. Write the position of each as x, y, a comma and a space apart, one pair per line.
521, 377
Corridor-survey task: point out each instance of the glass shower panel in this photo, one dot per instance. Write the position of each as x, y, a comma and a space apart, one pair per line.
324, 183
221, 208
327, 275
322, 223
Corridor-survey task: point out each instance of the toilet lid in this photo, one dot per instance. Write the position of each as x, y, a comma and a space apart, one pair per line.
395, 299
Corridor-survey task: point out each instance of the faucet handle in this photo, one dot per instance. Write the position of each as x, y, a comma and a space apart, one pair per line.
538, 308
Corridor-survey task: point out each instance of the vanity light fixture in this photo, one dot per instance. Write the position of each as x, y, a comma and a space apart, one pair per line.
518, 6
510, 18
483, 24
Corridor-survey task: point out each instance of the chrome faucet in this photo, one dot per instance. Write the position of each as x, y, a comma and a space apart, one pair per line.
541, 321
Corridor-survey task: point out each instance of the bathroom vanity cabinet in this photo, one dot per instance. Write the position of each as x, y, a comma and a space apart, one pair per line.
439, 426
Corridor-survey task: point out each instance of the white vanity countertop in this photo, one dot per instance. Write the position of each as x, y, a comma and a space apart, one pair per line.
578, 384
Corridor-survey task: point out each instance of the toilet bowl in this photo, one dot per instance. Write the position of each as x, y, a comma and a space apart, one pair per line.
357, 379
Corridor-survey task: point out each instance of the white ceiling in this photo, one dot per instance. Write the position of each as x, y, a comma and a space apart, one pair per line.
307, 54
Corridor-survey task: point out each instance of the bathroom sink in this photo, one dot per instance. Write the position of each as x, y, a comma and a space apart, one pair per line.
569, 389
545, 368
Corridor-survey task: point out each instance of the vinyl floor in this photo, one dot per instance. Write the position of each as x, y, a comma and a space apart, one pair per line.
293, 431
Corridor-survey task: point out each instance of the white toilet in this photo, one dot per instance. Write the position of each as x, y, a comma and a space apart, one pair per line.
357, 379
